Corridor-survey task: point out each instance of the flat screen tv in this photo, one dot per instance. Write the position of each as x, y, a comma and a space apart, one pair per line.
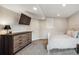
24, 19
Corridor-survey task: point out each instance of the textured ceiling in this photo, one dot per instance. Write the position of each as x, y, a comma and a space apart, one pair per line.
44, 10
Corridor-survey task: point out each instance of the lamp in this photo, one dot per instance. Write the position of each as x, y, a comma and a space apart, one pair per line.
7, 27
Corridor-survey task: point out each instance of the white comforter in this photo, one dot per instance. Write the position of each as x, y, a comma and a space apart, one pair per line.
61, 42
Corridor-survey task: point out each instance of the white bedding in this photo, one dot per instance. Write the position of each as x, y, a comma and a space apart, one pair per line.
61, 41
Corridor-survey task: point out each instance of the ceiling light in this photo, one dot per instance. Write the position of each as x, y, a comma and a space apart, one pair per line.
63, 5
58, 14
34, 8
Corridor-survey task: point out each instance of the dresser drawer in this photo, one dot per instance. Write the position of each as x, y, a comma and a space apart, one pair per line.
16, 49
28, 35
17, 41
21, 40
18, 37
18, 46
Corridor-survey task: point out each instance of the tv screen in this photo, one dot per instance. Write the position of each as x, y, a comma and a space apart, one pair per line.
24, 19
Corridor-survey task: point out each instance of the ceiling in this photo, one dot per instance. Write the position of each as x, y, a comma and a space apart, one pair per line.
44, 10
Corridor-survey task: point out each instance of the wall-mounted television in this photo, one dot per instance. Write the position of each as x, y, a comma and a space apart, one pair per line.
24, 19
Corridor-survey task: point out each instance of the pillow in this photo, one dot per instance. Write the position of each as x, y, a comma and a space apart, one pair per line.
77, 35
72, 33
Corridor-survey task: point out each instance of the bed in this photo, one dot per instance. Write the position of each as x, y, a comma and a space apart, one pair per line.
61, 41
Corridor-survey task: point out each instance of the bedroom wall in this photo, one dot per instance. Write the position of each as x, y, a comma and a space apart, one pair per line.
39, 28
43, 29
9, 17
50, 24
74, 21
34, 27
61, 24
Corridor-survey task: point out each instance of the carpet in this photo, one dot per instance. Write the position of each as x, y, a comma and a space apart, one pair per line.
38, 47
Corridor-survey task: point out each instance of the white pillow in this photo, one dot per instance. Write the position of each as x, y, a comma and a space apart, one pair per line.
72, 33
75, 34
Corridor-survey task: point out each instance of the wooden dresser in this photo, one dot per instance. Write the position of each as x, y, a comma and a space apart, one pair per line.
12, 43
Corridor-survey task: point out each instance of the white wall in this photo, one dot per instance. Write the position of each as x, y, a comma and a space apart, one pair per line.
34, 27
74, 21
61, 24
8, 17
50, 24
43, 29
39, 28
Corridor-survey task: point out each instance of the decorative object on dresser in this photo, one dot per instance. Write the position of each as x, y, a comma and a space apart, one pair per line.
7, 27
12, 43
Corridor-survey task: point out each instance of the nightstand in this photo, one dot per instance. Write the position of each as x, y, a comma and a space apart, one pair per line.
77, 48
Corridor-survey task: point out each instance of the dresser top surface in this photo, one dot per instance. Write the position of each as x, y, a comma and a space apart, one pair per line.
16, 33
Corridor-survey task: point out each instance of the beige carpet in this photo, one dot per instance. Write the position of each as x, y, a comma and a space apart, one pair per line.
38, 47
